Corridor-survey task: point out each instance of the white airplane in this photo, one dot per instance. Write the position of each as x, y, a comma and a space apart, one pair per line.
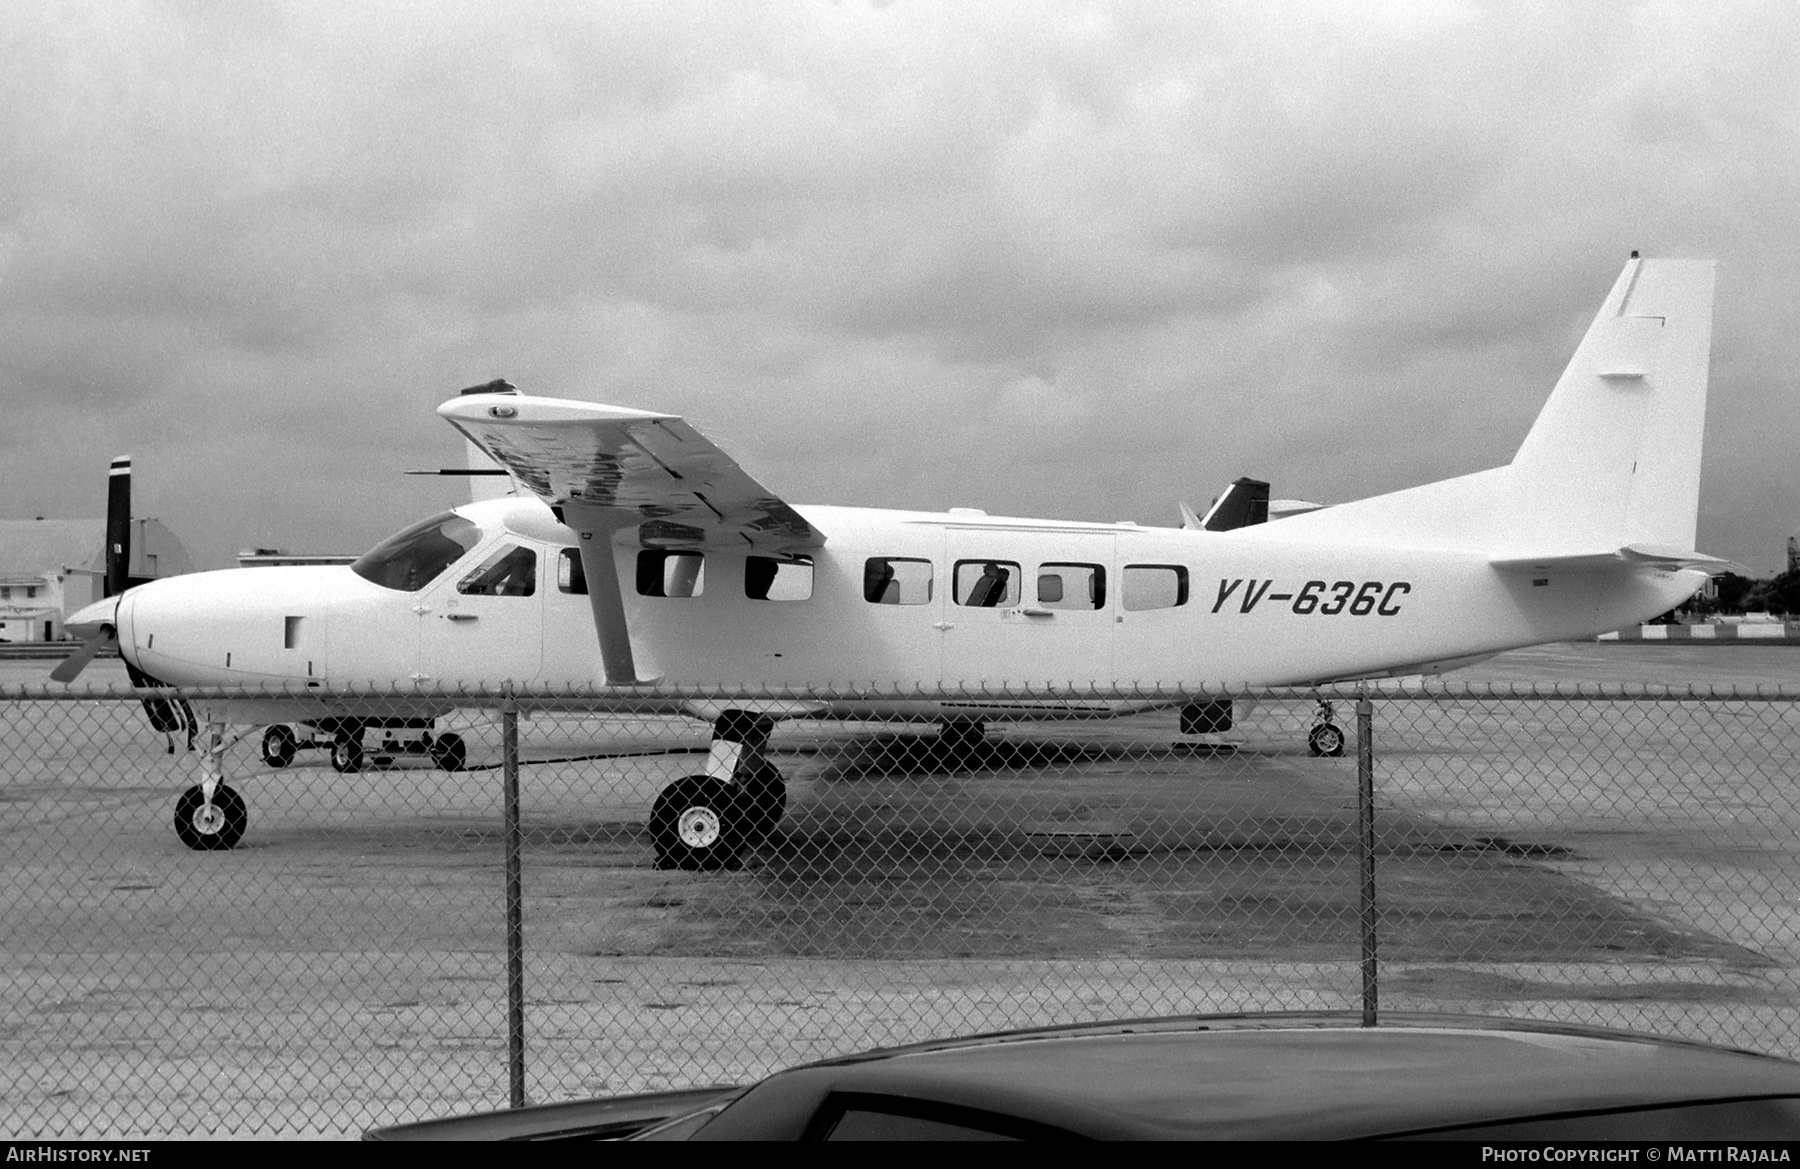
642, 561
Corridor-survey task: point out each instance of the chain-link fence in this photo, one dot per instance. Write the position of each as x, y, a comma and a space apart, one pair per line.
442, 906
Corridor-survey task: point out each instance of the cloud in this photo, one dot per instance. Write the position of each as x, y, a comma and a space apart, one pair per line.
908, 253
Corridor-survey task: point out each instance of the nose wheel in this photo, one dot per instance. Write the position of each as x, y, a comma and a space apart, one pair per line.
207, 825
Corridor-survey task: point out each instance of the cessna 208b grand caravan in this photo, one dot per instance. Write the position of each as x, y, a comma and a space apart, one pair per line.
640, 557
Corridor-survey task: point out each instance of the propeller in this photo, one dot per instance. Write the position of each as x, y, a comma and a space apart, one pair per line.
76, 662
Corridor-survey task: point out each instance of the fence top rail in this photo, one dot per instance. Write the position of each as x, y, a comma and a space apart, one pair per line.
1074, 700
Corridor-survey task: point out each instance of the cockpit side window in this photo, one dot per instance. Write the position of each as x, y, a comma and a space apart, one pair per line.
510, 572
411, 559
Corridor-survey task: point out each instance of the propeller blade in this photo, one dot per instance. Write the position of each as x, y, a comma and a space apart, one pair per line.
76, 662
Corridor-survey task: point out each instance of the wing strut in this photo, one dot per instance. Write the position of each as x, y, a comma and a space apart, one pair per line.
595, 527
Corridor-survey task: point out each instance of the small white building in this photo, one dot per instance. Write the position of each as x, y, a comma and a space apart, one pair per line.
50, 568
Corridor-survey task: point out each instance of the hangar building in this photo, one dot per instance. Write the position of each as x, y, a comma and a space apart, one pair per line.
50, 568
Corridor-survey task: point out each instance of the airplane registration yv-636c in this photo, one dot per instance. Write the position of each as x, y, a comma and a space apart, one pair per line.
639, 530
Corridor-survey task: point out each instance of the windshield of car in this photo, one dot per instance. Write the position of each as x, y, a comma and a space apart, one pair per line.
412, 559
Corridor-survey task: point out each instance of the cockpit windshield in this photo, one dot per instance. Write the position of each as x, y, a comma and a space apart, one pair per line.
412, 559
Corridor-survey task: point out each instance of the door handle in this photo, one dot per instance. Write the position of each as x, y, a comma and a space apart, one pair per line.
460, 617
1038, 612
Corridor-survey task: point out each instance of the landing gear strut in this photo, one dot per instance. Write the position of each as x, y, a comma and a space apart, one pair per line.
1325, 737
705, 822
210, 815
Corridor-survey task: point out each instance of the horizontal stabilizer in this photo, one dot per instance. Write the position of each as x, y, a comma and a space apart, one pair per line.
1658, 556
1281, 509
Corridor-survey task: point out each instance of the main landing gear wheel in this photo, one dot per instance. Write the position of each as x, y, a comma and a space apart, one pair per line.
448, 752
279, 745
1326, 739
698, 825
347, 754
217, 825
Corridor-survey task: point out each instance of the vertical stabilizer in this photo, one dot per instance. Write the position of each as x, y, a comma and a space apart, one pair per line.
1614, 458
1612, 461
1244, 503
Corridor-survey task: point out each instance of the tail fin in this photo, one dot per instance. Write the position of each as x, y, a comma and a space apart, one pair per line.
118, 528
1614, 458
1612, 461
1243, 503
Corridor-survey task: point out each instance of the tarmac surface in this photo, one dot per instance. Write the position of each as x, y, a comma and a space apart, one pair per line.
1623, 863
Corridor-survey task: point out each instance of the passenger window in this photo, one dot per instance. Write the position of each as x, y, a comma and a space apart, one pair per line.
768, 578
661, 573
893, 580
986, 584
510, 572
1072, 586
570, 577
1155, 586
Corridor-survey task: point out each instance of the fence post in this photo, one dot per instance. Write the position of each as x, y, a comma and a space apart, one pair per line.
1365, 814
515, 904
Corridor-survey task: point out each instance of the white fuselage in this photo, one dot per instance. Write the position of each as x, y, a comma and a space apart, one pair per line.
1085, 609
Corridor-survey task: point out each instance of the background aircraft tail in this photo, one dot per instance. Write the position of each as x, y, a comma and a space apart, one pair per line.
1612, 462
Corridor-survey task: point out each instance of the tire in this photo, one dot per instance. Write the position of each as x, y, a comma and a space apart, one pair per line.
347, 755
765, 796
1326, 739
279, 745
697, 824
449, 753
207, 829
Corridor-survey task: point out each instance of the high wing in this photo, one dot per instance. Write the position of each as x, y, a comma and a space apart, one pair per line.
603, 468
628, 467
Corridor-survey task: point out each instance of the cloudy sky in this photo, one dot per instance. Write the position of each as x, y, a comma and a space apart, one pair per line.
1065, 259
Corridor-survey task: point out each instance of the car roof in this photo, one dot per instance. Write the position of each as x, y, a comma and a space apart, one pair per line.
1285, 1077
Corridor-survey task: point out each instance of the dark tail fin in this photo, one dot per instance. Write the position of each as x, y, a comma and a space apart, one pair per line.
1244, 503
118, 527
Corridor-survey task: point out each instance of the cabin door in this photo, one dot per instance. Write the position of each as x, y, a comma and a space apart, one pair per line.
486, 627
1025, 608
